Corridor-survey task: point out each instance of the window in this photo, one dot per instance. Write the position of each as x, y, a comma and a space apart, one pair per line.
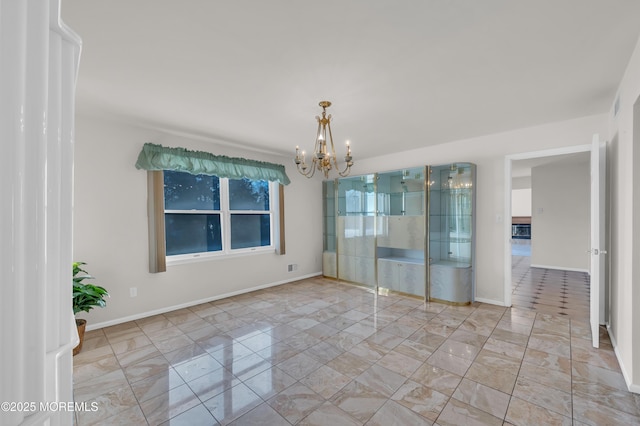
207, 215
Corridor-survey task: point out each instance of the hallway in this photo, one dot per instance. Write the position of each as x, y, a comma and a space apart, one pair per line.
551, 291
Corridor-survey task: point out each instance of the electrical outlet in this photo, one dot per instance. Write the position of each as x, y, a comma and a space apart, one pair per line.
133, 291
292, 267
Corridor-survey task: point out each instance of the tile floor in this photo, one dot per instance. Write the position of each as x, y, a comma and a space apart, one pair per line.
319, 352
564, 293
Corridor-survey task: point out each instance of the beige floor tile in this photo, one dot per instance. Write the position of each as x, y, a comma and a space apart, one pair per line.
108, 405
359, 401
393, 413
325, 381
146, 368
92, 388
555, 379
592, 413
400, 363
349, 364
299, 366
450, 362
97, 367
544, 396
457, 413
211, 384
270, 382
196, 416
156, 385
196, 367
437, 378
354, 357
328, 414
232, 403
413, 350
381, 380
616, 399
586, 373
296, 402
136, 355
459, 349
263, 414
483, 397
169, 404
524, 413
131, 416
421, 399
547, 360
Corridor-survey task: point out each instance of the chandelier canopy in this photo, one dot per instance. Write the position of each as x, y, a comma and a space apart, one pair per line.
324, 152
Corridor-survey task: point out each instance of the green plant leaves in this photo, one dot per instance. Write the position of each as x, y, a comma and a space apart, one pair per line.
86, 296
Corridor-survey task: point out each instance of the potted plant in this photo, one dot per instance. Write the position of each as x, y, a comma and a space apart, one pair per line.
86, 296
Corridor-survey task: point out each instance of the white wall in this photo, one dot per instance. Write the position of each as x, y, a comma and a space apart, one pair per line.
110, 226
521, 182
560, 222
488, 153
624, 250
521, 202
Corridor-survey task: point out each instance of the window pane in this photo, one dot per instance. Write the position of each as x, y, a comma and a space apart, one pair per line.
192, 233
184, 191
247, 194
250, 230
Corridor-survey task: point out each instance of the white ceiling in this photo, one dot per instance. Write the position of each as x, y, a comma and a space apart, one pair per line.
401, 73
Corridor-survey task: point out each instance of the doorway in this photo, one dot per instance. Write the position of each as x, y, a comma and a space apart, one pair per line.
546, 259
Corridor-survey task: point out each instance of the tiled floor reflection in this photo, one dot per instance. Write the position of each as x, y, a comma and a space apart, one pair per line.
564, 293
318, 352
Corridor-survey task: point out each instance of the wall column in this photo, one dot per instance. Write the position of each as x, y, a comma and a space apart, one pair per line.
38, 66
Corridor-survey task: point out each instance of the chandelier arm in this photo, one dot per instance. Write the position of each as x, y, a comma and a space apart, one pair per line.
310, 171
333, 148
347, 168
313, 168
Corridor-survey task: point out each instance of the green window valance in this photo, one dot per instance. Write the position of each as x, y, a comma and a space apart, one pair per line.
158, 157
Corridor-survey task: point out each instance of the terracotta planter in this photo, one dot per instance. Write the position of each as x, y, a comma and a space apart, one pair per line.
81, 324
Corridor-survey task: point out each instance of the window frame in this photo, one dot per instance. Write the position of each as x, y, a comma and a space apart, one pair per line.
225, 224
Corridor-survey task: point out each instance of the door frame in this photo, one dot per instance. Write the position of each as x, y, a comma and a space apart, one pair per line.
508, 159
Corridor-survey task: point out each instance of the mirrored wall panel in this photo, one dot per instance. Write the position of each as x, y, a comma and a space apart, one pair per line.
400, 231
409, 231
355, 230
329, 210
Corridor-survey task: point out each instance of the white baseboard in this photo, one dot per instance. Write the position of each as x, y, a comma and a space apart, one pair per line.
489, 301
194, 303
635, 388
561, 268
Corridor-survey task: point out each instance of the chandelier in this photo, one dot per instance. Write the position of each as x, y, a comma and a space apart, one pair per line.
324, 156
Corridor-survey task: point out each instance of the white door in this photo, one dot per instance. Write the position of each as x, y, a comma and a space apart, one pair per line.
598, 249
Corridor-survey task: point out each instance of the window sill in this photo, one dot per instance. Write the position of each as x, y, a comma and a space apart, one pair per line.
205, 257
